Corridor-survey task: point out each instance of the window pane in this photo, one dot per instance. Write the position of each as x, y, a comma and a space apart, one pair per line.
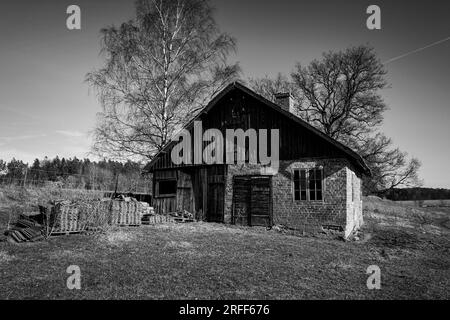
296, 185
296, 175
303, 184
311, 174
297, 195
318, 184
319, 195
319, 174
303, 194
312, 195
312, 184
303, 174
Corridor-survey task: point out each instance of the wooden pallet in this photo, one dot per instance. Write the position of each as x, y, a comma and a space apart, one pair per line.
61, 233
156, 219
183, 220
123, 213
128, 225
68, 219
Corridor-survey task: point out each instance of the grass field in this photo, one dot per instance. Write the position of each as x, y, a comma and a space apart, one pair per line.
214, 261
427, 203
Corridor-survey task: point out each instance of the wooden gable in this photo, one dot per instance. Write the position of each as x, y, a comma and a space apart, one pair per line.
237, 107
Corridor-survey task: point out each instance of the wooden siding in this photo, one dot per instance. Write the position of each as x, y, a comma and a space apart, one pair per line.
164, 204
239, 110
200, 190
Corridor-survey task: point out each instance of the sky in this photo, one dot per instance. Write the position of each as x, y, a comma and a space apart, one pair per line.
46, 108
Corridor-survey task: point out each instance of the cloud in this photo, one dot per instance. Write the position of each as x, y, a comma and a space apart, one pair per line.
73, 134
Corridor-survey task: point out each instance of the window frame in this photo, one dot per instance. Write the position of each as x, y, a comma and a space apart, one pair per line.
307, 184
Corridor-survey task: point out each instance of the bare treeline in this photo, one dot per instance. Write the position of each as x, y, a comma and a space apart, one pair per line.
74, 173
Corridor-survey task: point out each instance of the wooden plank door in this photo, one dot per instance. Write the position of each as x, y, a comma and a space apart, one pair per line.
252, 200
241, 200
216, 201
261, 201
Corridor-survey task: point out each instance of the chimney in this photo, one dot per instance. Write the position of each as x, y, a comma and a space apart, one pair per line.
285, 101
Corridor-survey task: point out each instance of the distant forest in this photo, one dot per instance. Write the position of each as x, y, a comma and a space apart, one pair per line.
77, 174
416, 194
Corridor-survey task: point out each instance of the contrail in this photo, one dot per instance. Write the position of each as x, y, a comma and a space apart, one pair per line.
417, 50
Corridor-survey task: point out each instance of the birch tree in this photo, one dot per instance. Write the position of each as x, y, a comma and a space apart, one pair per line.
160, 69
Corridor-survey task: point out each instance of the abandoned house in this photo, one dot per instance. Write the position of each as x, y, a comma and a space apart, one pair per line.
317, 186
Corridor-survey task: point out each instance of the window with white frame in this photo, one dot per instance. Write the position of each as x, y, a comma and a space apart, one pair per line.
308, 184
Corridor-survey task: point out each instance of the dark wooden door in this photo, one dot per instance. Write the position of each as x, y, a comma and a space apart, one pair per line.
261, 201
215, 193
252, 200
241, 200
215, 205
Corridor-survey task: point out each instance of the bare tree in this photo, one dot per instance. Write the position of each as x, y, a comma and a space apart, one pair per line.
339, 95
341, 92
390, 167
268, 87
2, 166
160, 69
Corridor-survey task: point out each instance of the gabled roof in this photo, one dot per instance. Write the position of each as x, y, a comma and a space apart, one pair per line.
358, 161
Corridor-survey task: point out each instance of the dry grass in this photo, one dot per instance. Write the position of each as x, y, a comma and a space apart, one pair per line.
5, 257
215, 261
427, 203
18, 200
387, 214
117, 237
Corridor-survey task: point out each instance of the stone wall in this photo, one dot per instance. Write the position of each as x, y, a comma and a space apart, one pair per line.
336, 212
